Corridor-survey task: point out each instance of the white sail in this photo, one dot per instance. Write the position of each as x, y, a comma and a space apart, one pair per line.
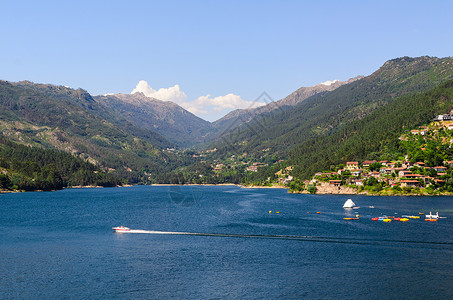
348, 204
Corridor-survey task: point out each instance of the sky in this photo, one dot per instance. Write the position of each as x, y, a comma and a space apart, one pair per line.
213, 56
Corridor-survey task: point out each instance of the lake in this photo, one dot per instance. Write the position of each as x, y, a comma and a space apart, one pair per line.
59, 245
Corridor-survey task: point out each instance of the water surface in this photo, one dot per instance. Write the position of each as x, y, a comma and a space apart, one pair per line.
60, 245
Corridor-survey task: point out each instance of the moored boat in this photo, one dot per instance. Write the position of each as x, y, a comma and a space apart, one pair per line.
350, 219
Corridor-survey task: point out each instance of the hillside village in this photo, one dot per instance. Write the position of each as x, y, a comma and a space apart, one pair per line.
427, 166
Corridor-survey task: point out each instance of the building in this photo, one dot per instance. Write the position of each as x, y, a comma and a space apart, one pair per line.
414, 176
352, 165
356, 172
440, 169
403, 173
359, 182
440, 118
334, 182
252, 169
367, 163
384, 162
410, 183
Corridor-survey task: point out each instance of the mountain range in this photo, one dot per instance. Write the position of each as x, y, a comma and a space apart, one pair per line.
128, 134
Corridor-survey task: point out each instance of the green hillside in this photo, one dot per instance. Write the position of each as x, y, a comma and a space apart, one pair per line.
325, 113
30, 168
69, 120
375, 136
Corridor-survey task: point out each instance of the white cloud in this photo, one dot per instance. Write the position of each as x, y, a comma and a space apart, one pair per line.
221, 103
328, 82
207, 107
173, 93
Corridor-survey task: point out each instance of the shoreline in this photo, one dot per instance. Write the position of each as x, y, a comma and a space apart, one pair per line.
318, 192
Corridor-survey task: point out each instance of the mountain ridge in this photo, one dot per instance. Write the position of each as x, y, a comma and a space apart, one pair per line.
167, 118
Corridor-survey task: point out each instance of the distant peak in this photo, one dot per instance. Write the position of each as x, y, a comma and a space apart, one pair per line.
328, 82
172, 93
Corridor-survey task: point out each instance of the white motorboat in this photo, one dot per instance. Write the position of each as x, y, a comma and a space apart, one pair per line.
431, 216
121, 229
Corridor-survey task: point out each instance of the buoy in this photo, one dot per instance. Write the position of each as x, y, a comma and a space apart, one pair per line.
270, 211
277, 212
318, 212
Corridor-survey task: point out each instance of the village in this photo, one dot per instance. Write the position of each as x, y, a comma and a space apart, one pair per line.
411, 175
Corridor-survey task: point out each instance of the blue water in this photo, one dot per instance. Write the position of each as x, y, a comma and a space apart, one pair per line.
57, 245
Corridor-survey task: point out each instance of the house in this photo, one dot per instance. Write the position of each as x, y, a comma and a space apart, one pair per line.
419, 164
252, 169
440, 118
403, 173
387, 171
449, 163
407, 164
397, 170
356, 172
423, 132
439, 181
367, 163
391, 164
384, 162
414, 176
352, 165
334, 182
359, 182
428, 179
414, 131
440, 169
374, 174
410, 183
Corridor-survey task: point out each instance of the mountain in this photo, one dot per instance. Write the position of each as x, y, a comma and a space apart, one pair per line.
241, 116
168, 119
376, 137
32, 168
61, 118
279, 131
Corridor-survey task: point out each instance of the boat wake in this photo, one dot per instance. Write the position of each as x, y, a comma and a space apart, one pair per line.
444, 245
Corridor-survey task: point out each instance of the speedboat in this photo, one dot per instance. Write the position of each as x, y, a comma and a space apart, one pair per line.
121, 229
431, 216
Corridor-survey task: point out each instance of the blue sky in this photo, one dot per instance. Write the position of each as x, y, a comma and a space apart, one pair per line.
216, 52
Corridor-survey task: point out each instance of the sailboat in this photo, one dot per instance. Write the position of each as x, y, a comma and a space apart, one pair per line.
348, 204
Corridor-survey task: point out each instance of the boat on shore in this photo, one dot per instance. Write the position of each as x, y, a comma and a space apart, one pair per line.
121, 229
